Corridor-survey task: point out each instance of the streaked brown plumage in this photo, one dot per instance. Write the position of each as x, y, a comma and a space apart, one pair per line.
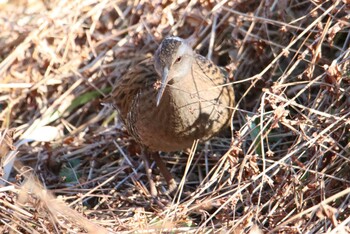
174, 99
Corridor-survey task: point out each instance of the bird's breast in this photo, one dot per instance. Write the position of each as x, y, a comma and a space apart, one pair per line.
186, 113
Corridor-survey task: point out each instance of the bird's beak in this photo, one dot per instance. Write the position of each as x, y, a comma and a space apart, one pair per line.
165, 80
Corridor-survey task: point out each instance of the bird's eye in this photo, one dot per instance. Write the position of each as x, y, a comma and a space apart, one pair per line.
178, 59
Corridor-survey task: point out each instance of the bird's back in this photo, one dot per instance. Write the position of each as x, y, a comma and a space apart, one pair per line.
137, 79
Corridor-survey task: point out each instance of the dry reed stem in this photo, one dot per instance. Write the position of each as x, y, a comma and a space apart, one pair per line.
283, 169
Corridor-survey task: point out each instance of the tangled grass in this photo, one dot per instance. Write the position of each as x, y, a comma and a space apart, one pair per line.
69, 166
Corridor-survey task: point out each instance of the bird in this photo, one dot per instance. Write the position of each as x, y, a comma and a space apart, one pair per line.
169, 101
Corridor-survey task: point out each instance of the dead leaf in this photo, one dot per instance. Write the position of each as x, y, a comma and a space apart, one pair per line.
333, 73
279, 114
326, 211
43, 134
6, 141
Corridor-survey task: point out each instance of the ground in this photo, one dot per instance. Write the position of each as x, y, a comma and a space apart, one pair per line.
282, 167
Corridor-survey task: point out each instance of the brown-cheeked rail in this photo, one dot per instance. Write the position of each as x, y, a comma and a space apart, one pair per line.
171, 100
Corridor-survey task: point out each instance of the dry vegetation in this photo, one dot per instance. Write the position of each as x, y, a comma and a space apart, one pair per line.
286, 168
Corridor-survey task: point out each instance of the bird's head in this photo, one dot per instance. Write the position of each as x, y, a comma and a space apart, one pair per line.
172, 61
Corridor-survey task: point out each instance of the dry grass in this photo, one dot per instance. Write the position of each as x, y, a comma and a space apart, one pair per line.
286, 169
